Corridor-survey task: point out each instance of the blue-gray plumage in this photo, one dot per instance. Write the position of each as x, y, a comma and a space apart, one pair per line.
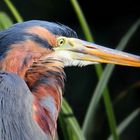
16, 122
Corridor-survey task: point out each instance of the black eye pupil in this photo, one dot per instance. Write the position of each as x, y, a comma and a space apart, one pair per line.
61, 42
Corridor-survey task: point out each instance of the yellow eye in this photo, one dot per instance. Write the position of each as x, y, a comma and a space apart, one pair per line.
60, 41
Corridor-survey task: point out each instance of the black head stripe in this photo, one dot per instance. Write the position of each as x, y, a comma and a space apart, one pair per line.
16, 34
42, 42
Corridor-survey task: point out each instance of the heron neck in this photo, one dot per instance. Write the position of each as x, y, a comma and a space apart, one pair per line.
46, 82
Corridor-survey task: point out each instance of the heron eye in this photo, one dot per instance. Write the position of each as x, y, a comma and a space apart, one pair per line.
61, 42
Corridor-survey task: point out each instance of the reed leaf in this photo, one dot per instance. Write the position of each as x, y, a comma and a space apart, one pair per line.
109, 68
126, 122
89, 121
69, 124
13, 11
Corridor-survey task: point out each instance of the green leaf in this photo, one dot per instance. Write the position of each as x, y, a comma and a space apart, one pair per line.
5, 21
109, 68
126, 122
107, 73
70, 127
13, 10
88, 121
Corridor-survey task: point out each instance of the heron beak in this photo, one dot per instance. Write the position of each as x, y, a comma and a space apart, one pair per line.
86, 51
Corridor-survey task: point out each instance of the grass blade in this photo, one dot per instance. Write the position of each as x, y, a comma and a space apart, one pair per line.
109, 68
13, 10
126, 122
82, 20
90, 113
71, 130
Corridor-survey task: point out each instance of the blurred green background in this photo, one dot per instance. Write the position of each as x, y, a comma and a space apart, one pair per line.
108, 22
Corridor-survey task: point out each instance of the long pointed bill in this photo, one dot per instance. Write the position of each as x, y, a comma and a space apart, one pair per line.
86, 51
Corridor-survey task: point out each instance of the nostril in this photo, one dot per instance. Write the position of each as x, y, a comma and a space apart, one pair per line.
91, 47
